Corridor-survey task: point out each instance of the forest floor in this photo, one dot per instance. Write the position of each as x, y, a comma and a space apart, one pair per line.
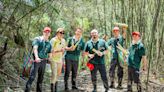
84, 84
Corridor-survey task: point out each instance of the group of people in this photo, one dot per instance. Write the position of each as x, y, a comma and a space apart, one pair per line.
95, 49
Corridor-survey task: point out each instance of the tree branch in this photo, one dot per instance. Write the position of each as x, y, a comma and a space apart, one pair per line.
31, 11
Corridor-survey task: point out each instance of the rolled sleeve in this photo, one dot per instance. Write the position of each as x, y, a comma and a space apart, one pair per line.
142, 51
109, 42
35, 42
86, 48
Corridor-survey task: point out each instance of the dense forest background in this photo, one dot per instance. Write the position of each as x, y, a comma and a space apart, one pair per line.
22, 20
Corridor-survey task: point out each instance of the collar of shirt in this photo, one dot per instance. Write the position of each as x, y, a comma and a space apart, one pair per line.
95, 41
42, 39
58, 38
75, 39
118, 36
136, 43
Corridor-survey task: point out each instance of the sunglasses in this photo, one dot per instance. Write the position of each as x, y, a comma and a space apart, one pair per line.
115, 30
61, 32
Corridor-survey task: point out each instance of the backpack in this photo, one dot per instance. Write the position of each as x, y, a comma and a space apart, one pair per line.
27, 63
28, 57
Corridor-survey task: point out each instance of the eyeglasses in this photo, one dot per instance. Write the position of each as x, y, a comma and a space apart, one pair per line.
61, 32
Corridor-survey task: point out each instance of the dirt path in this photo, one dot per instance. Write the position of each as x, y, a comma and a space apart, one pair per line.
83, 83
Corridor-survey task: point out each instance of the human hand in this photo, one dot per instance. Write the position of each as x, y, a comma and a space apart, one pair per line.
99, 53
91, 56
37, 60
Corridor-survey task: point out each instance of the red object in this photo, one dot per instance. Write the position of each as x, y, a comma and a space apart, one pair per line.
136, 33
90, 66
47, 29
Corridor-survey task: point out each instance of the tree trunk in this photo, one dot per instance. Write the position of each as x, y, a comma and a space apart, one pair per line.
152, 39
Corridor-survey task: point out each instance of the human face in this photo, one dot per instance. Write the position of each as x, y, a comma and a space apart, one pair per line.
116, 33
94, 35
135, 37
46, 34
78, 32
124, 28
60, 34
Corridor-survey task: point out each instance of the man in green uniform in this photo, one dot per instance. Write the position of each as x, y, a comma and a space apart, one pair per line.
96, 49
113, 42
41, 49
136, 55
73, 50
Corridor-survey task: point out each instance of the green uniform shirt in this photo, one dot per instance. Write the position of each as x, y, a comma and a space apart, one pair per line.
136, 52
74, 55
44, 47
99, 45
113, 42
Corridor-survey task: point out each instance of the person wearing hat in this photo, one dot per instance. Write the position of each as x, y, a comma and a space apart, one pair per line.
135, 56
41, 50
58, 44
96, 48
73, 49
113, 42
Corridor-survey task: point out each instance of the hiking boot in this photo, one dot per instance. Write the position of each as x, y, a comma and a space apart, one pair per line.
66, 89
119, 87
27, 89
74, 88
119, 83
139, 88
106, 90
112, 85
66, 86
56, 86
129, 89
52, 87
94, 90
